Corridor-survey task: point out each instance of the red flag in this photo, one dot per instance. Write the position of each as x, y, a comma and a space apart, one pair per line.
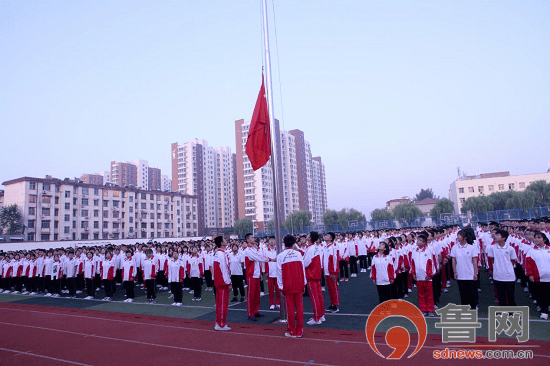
258, 145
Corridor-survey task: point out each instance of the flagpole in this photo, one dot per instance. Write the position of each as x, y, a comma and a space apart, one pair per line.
274, 151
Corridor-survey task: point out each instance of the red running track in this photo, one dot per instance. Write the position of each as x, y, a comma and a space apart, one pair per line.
41, 335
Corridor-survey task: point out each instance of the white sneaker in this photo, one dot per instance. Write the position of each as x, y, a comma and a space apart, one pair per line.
25, 293
314, 322
226, 328
191, 291
171, 296
287, 334
262, 293
435, 307
405, 295
544, 316
525, 289
323, 319
179, 304
48, 295
32, 293
272, 307
445, 290
323, 288
174, 304
478, 290
519, 280
278, 306
88, 297
15, 293
55, 295
130, 300
165, 288
79, 292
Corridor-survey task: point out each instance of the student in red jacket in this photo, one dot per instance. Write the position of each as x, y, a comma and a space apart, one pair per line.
222, 282
312, 262
291, 279
108, 275
330, 265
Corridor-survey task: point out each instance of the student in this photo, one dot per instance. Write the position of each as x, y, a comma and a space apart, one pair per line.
271, 270
236, 269
69, 269
175, 274
537, 262
501, 259
330, 264
253, 258
108, 272
195, 268
128, 275
291, 279
222, 282
343, 255
382, 272
465, 259
149, 273
312, 262
17, 273
423, 270
89, 275
28, 265
57, 274
8, 272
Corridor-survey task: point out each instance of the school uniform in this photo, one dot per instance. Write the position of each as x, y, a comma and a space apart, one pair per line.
343, 255
195, 268
312, 262
501, 261
149, 273
330, 265
128, 275
108, 271
236, 271
253, 258
537, 262
17, 274
463, 255
89, 275
382, 273
423, 268
271, 270
57, 274
175, 275
291, 279
69, 269
222, 282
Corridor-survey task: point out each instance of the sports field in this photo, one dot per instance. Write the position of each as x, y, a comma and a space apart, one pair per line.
52, 331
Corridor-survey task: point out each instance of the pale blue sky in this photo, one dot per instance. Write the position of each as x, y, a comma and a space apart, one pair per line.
393, 95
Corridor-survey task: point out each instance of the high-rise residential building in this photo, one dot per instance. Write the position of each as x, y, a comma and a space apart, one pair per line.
96, 179
138, 174
106, 174
54, 209
208, 173
301, 178
467, 186
166, 183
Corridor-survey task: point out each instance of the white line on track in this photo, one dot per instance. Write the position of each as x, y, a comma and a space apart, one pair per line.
42, 356
165, 346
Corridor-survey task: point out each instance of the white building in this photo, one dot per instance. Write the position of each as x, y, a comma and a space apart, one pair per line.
485, 184
166, 183
207, 172
54, 209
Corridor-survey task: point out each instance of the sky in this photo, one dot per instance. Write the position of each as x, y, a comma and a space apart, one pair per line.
394, 96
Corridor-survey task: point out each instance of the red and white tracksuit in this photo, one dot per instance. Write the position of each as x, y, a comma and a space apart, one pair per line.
129, 269
271, 270
222, 282
423, 268
382, 269
252, 260
330, 264
291, 279
312, 262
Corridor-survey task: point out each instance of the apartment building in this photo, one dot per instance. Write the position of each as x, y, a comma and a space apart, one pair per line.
55, 209
467, 186
301, 178
207, 172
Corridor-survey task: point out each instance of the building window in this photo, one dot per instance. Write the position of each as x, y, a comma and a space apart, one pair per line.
67, 218
84, 213
45, 237
106, 214
471, 189
46, 186
501, 187
67, 194
30, 224
491, 188
30, 236
32, 198
56, 224
66, 229
521, 185
461, 190
32, 185
105, 203
480, 189
32, 210
96, 191
105, 225
96, 224
45, 211
96, 202
511, 186
84, 190
67, 206
45, 224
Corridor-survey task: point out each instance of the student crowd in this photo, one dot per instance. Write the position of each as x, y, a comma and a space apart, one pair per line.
399, 260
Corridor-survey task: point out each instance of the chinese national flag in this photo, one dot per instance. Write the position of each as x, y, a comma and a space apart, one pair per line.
258, 145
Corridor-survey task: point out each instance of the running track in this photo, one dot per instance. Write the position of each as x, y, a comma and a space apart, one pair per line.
41, 335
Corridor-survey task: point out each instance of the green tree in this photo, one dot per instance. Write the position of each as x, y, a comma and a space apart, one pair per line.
521, 200
297, 220
381, 214
406, 211
541, 191
424, 193
10, 220
347, 215
330, 217
243, 226
270, 225
442, 206
477, 204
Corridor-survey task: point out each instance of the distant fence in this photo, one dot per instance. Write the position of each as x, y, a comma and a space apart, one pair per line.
444, 219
